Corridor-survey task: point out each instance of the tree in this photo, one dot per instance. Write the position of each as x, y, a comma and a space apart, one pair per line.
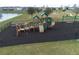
37, 9
31, 10
48, 10
60, 8
53, 8
67, 8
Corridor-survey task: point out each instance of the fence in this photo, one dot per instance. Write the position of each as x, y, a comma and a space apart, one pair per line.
69, 19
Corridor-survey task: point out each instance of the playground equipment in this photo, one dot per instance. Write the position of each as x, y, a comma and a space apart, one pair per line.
48, 21
41, 24
19, 28
41, 28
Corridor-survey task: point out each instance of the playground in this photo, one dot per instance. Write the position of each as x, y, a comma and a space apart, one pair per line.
62, 35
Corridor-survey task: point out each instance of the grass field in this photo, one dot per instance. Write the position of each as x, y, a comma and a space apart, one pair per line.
57, 47
70, 47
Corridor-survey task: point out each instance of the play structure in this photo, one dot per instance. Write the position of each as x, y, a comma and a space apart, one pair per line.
37, 24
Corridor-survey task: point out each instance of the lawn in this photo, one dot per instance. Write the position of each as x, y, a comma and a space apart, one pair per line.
47, 48
15, 20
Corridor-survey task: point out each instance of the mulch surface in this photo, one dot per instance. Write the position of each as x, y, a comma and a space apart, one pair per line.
61, 31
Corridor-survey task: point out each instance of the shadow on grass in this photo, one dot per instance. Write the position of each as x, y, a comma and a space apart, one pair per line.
61, 31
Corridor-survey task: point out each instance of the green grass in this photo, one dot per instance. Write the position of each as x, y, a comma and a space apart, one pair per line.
6, 23
22, 18
70, 47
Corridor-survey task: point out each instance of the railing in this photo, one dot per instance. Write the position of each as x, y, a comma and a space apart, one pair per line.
68, 19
